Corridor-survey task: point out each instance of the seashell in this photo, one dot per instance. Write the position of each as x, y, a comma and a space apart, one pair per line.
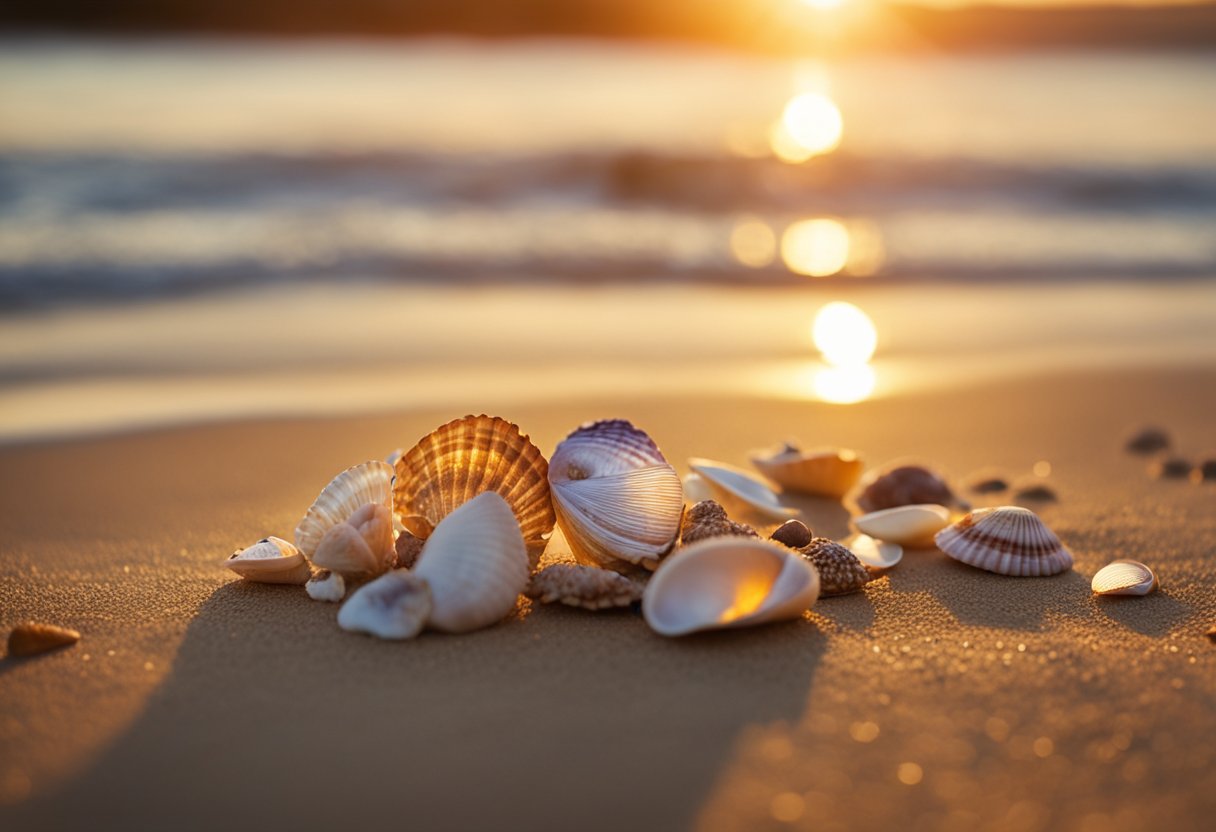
476, 564
987, 483
394, 455
465, 458
1148, 440
32, 638
911, 526
1035, 491
728, 582
739, 491
576, 585
394, 606
408, 549
840, 572
1212, 634
325, 585
708, 519
827, 472
792, 533
1204, 471
1175, 468
874, 554
1009, 540
360, 546
906, 485
271, 560
1124, 577
349, 527
618, 501
696, 489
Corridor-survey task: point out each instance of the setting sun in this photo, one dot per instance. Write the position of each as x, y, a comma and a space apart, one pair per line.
823, 4
816, 248
813, 122
844, 334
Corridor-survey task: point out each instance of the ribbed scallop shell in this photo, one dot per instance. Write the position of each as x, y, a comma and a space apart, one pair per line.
1009, 540
368, 482
465, 458
476, 565
828, 472
271, 560
1124, 577
739, 491
618, 500
728, 582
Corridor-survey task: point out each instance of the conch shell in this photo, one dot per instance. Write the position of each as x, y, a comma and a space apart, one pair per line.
468, 457
618, 500
271, 560
1009, 540
740, 491
727, 582
349, 528
827, 472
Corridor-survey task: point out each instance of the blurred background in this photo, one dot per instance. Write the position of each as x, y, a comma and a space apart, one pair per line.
214, 209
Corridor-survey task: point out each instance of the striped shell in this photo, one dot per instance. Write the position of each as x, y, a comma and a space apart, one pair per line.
827, 472
1124, 577
468, 457
350, 517
618, 501
728, 582
1009, 540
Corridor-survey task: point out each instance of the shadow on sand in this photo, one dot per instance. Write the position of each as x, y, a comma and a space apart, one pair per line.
273, 717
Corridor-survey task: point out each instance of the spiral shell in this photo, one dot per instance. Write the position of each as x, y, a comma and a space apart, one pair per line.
618, 500
1009, 540
349, 527
465, 458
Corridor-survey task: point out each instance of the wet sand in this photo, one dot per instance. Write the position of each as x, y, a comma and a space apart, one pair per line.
941, 698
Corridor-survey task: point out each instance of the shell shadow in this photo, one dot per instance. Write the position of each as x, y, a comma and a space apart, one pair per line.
1152, 615
272, 716
848, 612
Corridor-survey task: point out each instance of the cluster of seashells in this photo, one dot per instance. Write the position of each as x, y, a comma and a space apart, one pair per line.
447, 535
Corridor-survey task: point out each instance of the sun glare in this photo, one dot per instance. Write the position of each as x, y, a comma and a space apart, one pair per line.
817, 248
844, 335
812, 122
845, 385
753, 243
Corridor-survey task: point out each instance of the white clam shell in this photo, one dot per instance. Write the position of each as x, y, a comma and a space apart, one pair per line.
1124, 577
271, 560
875, 554
823, 472
394, 606
911, 526
618, 501
696, 489
740, 491
343, 502
476, 564
325, 585
1008, 540
727, 582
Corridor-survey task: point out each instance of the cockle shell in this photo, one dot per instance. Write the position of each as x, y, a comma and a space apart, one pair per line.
874, 554
1009, 540
465, 458
906, 485
476, 564
583, 586
618, 500
828, 472
840, 572
349, 527
912, 526
1124, 577
271, 560
394, 606
740, 491
325, 585
728, 582
708, 519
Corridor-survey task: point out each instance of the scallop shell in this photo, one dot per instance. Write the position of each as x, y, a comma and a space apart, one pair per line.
465, 458
739, 491
906, 485
325, 585
728, 582
1124, 577
476, 564
368, 482
271, 560
708, 519
1009, 540
874, 554
827, 472
583, 586
618, 501
840, 572
911, 526
394, 606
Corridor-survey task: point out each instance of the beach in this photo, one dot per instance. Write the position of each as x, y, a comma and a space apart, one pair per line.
941, 697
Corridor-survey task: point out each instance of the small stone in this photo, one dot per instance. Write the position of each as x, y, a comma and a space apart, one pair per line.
793, 533
708, 519
1174, 468
989, 485
32, 638
1204, 471
1037, 492
840, 572
408, 550
1148, 440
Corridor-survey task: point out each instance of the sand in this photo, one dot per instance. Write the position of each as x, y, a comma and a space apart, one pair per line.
941, 698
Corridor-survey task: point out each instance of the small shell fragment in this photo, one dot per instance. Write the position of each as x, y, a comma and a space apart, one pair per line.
325, 585
708, 519
1148, 440
912, 526
394, 606
696, 489
32, 638
874, 554
1124, 577
826, 472
576, 585
840, 572
792, 533
740, 491
408, 549
272, 560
